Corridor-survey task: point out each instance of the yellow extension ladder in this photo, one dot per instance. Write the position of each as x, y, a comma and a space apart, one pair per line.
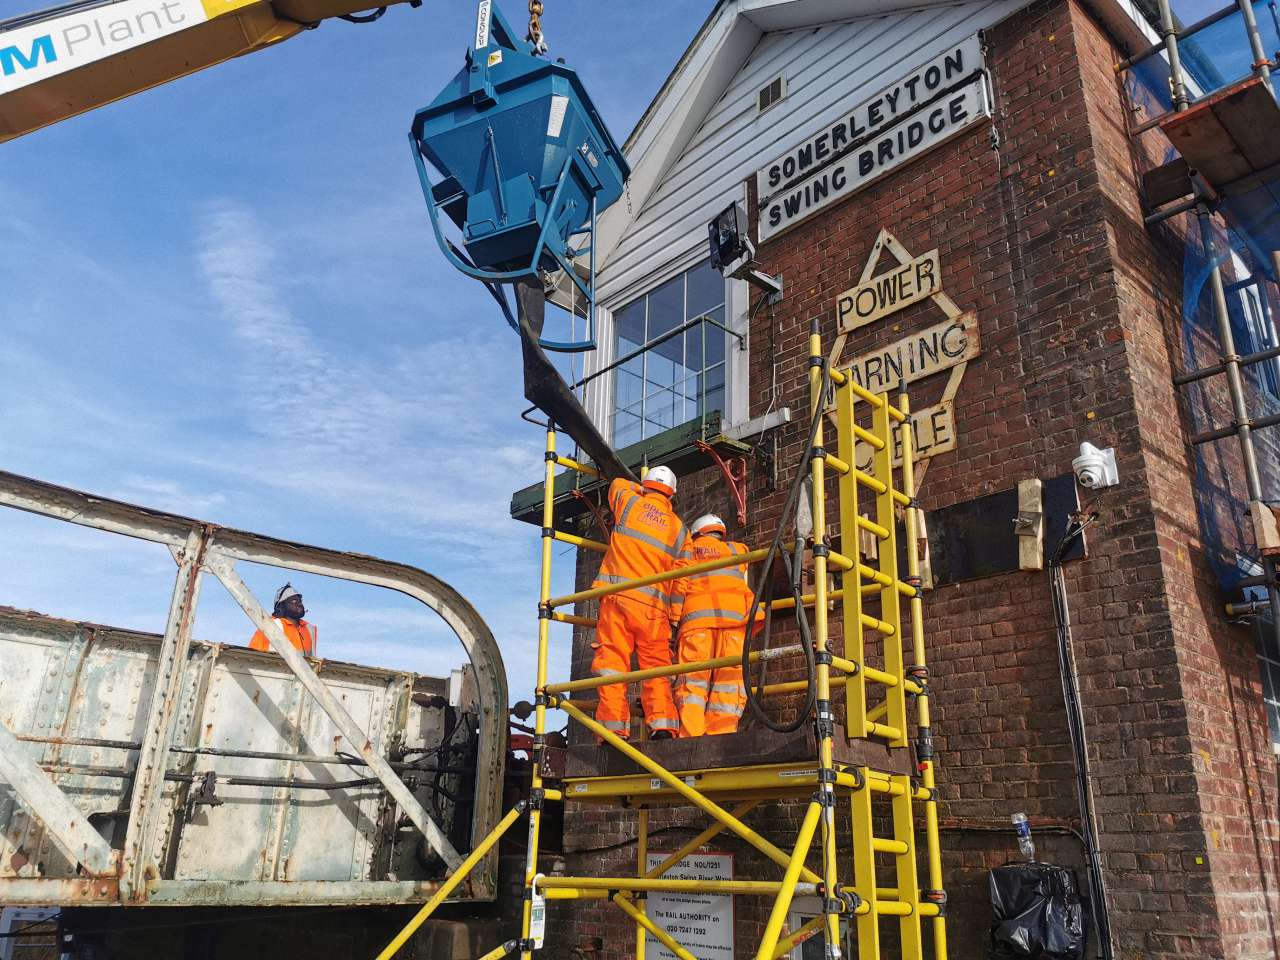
878, 664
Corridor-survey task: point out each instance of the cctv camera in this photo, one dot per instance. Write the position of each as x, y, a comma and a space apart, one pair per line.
1096, 468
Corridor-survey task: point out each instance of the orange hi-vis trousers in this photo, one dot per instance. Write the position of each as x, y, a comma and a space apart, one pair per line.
625, 627
711, 701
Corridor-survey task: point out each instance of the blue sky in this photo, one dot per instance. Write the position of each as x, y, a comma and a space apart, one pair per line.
223, 299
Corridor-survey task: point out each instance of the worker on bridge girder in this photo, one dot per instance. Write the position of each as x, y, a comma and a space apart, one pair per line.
712, 618
647, 538
288, 614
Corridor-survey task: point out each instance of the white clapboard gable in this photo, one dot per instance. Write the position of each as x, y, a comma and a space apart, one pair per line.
828, 68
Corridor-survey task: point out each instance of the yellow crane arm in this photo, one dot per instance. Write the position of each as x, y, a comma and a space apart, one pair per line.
83, 54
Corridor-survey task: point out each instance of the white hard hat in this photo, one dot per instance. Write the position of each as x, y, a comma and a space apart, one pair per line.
285, 592
662, 480
708, 523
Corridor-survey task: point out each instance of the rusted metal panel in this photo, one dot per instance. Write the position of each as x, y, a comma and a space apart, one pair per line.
285, 844
229, 776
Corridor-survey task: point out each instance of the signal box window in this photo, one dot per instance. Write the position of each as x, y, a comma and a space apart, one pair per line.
677, 373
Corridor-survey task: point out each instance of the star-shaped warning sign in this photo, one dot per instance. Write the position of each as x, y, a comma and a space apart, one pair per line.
947, 345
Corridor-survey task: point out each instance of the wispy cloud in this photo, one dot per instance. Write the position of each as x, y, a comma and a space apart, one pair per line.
401, 434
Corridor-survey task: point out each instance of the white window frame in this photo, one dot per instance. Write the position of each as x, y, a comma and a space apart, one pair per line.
1257, 320
600, 392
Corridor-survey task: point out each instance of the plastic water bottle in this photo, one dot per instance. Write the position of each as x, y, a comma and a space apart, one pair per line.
1022, 827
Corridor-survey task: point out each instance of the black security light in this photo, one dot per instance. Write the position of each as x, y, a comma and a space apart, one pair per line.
729, 242
732, 251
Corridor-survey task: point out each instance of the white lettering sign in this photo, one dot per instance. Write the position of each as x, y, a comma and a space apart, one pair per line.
875, 156
917, 112
889, 292
918, 355
933, 431
483, 14
50, 47
701, 923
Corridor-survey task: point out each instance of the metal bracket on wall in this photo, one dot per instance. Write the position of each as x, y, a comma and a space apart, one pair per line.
734, 471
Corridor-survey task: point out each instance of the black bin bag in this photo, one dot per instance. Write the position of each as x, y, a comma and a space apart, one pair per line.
1036, 912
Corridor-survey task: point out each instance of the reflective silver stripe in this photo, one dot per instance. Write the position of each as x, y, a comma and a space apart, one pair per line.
707, 614
621, 528
695, 699
730, 572
676, 598
614, 724
624, 531
661, 724
695, 682
728, 688
647, 591
606, 672
626, 511
731, 708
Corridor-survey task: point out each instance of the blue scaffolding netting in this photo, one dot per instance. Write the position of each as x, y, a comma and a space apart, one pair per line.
1214, 58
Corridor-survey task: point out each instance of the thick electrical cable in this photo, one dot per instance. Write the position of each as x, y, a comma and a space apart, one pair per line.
1076, 728
369, 17
794, 570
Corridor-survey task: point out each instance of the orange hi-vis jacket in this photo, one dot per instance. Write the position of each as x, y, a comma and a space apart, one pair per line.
714, 599
301, 634
647, 538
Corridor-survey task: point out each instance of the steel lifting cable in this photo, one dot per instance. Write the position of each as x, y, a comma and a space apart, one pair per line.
794, 568
535, 35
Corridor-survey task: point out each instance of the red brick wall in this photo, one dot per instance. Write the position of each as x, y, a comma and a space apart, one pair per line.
1078, 305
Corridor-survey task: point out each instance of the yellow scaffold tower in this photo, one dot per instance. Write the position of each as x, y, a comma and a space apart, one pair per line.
878, 664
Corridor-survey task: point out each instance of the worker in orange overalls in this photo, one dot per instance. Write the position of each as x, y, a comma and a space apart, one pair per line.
289, 612
712, 619
647, 538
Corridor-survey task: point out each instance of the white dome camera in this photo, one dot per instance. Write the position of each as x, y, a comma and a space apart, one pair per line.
1096, 468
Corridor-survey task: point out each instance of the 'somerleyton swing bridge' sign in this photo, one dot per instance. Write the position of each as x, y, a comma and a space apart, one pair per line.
928, 106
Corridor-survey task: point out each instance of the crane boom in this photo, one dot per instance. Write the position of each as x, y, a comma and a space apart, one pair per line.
72, 58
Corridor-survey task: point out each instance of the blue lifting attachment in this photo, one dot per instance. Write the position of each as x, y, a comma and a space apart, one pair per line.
526, 164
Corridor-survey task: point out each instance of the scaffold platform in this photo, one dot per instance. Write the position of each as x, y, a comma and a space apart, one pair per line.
865, 750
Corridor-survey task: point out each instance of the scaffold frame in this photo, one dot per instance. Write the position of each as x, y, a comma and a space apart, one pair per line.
893, 637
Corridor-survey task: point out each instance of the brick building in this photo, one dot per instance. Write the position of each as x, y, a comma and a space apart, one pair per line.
998, 134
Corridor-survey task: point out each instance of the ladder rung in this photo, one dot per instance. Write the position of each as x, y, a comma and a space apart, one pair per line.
836, 464
896, 847
572, 618
884, 730
575, 465
581, 542
866, 436
874, 527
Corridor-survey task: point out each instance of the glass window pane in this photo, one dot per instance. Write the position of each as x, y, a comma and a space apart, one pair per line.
672, 349
626, 428
714, 377
666, 307
659, 373
687, 394
660, 412
628, 323
693, 345
715, 400
706, 289
716, 338
628, 383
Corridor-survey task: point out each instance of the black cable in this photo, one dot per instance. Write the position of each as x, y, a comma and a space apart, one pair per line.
1075, 724
363, 17
794, 572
